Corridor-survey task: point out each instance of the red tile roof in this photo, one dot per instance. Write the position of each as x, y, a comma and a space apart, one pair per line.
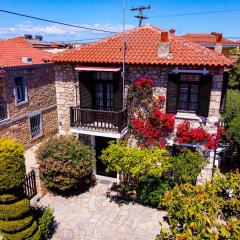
205, 38
11, 53
141, 48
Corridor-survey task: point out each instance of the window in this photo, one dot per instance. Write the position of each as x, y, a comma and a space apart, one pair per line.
103, 90
35, 122
20, 90
189, 92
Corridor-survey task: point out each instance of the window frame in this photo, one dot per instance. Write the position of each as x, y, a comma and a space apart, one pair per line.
40, 124
107, 87
189, 83
24, 82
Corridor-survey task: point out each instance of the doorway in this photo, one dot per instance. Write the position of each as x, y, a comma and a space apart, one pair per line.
100, 144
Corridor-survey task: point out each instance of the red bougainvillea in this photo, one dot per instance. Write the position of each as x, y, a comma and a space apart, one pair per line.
186, 134
152, 125
144, 82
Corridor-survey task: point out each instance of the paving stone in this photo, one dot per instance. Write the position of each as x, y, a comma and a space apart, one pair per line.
93, 216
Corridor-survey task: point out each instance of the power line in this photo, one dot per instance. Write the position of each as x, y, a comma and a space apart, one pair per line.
56, 22
195, 13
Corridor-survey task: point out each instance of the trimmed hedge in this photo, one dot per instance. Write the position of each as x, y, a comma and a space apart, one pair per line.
24, 234
63, 162
11, 164
9, 197
15, 225
14, 210
16, 218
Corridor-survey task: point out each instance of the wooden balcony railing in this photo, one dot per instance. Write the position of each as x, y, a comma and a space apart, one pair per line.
114, 121
3, 111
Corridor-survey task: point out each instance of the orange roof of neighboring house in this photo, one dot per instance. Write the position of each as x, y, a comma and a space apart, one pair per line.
11, 54
205, 38
141, 48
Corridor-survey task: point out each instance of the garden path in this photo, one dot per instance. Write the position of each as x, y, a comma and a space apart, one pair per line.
95, 215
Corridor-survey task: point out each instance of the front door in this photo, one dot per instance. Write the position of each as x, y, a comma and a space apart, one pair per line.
102, 143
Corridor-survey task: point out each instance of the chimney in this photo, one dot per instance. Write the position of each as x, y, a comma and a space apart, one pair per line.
28, 36
218, 47
172, 31
163, 48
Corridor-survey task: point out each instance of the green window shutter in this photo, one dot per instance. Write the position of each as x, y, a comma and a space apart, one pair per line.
86, 89
204, 95
172, 92
224, 93
117, 91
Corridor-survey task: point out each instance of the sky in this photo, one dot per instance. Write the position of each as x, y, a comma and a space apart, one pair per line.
107, 14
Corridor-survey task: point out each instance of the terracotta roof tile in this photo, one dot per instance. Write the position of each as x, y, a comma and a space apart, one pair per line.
141, 48
205, 38
11, 53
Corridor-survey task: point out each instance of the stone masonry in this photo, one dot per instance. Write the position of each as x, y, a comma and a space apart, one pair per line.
41, 96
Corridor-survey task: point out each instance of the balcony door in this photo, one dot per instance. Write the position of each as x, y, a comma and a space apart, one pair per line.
103, 91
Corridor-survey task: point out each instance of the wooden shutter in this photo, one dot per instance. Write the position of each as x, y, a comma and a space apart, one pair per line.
204, 95
86, 89
117, 91
172, 92
224, 93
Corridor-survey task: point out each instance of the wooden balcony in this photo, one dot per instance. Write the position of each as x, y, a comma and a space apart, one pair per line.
98, 120
3, 111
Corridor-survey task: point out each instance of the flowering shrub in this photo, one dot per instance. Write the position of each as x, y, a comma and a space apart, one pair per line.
208, 211
151, 125
186, 134
141, 88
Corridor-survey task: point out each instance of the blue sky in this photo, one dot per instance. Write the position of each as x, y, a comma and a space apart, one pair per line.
107, 14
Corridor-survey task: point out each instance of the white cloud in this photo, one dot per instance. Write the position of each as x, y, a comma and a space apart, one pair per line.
59, 32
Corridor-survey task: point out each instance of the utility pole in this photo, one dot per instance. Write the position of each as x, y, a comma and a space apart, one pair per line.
140, 10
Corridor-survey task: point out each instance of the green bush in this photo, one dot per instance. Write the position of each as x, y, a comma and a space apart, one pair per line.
134, 161
204, 212
16, 218
15, 225
45, 223
234, 130
63, 162
151, 189
24, 234
11, 164
232, 106
187, 165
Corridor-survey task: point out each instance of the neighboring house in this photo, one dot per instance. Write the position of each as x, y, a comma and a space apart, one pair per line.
90, 89
27, 93
38, 43
214, 41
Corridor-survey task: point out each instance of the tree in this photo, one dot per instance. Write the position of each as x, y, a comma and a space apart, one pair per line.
17, 221
234, 74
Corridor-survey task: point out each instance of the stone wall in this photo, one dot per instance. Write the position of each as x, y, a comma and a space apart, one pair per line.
41, 93
66, 93
20, 130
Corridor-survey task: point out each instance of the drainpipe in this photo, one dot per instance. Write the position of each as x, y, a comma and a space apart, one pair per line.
123, 52
75, 85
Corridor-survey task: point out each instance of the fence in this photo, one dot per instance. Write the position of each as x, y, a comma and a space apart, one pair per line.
30, 187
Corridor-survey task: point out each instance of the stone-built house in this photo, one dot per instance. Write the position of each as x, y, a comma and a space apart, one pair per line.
214, 41
90, 89
27, 93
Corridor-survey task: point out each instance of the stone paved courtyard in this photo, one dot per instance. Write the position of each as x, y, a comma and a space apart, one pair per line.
94, 216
